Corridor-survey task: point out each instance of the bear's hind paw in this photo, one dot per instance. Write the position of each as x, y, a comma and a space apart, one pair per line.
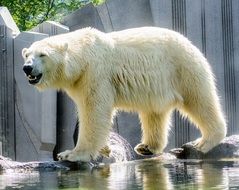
187, 151
143, 149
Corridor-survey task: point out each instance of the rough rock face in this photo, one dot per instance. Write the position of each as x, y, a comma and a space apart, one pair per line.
228, 148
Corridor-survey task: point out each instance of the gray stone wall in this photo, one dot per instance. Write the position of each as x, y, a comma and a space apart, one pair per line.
7, 124
33, 110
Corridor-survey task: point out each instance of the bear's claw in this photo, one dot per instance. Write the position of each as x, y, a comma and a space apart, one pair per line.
143, 149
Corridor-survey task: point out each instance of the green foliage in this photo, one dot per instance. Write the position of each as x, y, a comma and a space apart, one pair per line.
29, 13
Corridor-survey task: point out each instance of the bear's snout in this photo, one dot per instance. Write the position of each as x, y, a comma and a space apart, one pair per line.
27, 69
32, 74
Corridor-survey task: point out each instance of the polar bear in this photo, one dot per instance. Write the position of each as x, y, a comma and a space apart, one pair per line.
148, 70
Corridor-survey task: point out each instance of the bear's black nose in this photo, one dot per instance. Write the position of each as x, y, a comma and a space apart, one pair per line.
27, 69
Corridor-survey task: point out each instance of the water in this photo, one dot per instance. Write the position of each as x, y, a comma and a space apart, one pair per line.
144, 174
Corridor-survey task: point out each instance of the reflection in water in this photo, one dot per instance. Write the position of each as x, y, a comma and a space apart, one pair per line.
153, 175
213, 176
143, 174
19, 181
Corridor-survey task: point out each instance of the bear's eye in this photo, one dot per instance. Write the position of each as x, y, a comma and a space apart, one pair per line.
42, 55
26, 55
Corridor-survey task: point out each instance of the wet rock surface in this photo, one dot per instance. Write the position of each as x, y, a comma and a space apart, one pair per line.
8, 164
122, 151
228, 148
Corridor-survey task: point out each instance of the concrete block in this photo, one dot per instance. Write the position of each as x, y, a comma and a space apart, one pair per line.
194, 22
7, 100
129, 14
51, 28
105, 17
87, 16
35, 112
229, 63
235, 36
161, 13
48, 120
7, 20
214, 43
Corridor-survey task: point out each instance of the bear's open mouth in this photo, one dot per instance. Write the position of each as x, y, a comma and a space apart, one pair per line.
34, 79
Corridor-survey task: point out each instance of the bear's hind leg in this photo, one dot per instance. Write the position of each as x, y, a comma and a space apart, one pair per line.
155, 132
209, 119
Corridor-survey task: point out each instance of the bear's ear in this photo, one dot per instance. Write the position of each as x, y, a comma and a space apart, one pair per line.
24, 50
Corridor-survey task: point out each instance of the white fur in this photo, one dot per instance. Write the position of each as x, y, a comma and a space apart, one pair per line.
149, 70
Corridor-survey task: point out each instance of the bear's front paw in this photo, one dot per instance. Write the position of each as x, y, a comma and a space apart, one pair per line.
73, 156
143, 149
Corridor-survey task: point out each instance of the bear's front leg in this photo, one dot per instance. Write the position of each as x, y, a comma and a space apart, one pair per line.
95, 123
155, 132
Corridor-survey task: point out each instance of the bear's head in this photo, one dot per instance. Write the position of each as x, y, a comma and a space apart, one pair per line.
44, 63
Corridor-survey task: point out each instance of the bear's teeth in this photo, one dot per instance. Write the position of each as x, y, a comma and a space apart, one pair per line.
30, 77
